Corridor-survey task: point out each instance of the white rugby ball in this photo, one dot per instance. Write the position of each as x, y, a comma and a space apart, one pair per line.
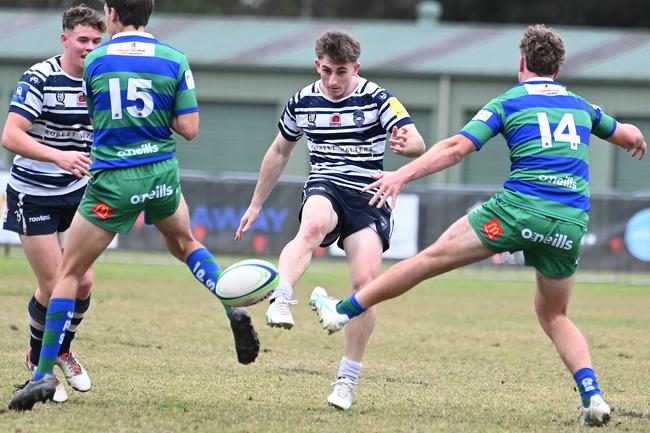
247, 282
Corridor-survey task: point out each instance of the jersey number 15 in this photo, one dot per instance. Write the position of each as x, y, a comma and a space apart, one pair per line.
133, 93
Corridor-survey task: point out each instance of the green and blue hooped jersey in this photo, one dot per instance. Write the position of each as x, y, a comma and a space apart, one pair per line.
134, 85
547, 129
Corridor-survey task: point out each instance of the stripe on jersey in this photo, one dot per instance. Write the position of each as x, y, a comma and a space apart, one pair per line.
526, 133
547, 192
574, 166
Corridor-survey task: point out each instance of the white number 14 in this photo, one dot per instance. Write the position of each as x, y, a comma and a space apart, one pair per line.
565, 131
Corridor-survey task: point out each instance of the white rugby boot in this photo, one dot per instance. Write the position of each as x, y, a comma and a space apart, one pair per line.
60, 394
341, 396
75, 374
597, 414
325, 308
278, 315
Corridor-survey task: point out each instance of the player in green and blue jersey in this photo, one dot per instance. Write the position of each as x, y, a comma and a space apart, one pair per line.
542, 209
137, 90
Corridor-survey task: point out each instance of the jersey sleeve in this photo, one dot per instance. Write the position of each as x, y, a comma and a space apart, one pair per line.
486, 124
27, 99
287, 125
603, 125
185, 91
391, 111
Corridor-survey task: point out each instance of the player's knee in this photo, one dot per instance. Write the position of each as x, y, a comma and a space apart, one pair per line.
360, 282
313, 231
85, 284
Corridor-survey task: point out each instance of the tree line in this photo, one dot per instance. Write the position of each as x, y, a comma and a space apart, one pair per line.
606, 13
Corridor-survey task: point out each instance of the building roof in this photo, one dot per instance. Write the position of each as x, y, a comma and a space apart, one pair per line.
400, 47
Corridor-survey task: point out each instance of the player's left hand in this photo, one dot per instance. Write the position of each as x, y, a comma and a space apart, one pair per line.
247, 221
639, 149
397, 140
389, 184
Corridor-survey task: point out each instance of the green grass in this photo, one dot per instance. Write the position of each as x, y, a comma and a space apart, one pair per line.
460, 354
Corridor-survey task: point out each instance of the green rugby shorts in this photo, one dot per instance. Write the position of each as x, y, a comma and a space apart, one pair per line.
115, 197
549, 245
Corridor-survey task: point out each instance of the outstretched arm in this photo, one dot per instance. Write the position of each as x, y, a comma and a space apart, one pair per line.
443, 154
630, 138
273, 164
16, 140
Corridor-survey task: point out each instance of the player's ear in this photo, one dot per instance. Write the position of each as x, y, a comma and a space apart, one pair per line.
357, 66
522, 63
317, 63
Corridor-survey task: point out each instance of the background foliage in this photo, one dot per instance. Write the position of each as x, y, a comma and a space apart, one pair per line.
608, 13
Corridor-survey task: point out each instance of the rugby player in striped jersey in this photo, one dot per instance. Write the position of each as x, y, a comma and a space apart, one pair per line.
49, 131
346, 119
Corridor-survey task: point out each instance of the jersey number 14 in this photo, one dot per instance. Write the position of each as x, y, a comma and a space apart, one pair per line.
565, 131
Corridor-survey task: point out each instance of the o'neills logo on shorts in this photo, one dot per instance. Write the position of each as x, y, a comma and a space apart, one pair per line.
102, 211
558, 240
492, 229
159, 191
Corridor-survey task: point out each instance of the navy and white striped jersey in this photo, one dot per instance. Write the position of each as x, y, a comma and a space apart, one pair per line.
346, 138
53, 101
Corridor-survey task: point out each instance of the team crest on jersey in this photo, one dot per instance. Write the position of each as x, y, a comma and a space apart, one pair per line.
102, 211
358, 117
60, 99
311, 120
492, 229
335, 119
20, 93
81, 100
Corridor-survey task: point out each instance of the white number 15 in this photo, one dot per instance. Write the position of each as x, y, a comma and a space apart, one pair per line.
133, 93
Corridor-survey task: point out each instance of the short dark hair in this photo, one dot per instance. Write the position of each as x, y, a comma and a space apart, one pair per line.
82, 15
132, 12
543, 50
339, 46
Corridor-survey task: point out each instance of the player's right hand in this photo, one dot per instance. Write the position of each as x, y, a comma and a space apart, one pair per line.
76, 163
247, 221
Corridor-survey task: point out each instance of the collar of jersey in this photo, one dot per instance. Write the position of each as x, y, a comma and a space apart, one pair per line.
140, 34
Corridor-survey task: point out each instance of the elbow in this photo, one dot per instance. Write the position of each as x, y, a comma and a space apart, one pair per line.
456, 156
422, 147
188, 131
191, 134
7, 142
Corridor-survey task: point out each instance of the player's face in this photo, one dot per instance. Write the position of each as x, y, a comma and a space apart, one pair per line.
337, 80
78, 42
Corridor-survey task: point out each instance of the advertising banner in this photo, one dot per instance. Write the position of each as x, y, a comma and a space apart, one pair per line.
618, 237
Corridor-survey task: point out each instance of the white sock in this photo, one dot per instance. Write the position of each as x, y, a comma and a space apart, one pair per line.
349, 368
284, 289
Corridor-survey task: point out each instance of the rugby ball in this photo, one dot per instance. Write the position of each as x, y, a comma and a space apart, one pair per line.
246, 282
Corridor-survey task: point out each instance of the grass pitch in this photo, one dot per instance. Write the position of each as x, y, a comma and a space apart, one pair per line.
454, 355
